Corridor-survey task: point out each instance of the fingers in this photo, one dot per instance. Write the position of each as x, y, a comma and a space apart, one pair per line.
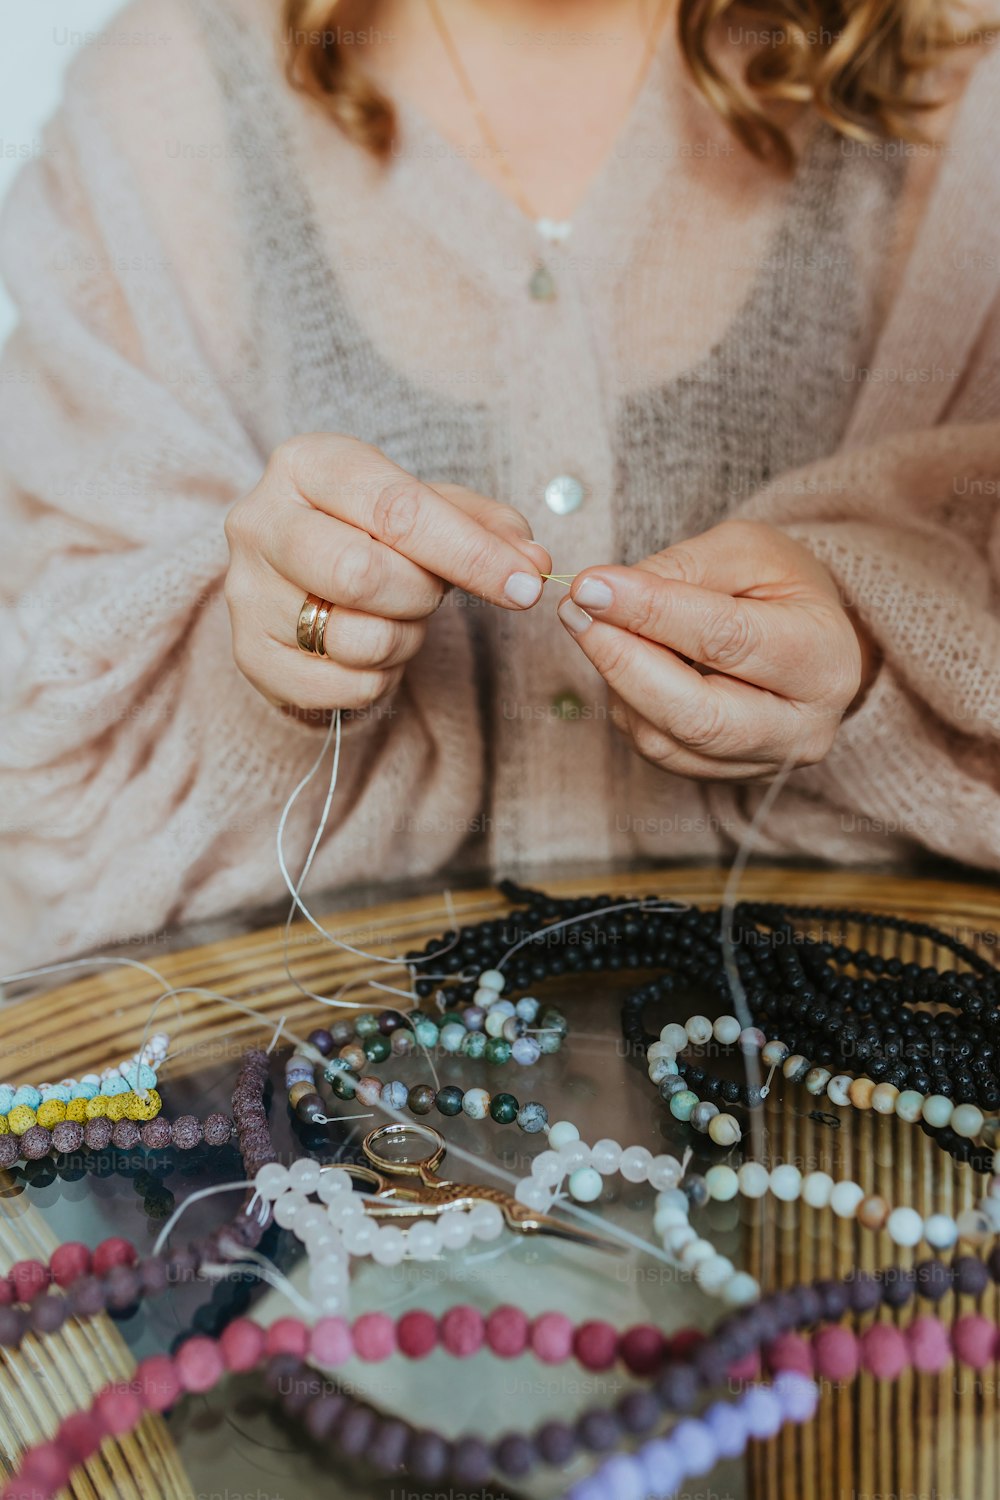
739, 557
663, 751
411, 518
714, 716
339, 563
767, 644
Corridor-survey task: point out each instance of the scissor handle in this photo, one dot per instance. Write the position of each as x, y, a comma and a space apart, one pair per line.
400, 1130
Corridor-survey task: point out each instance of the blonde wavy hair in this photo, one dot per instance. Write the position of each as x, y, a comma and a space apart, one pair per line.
861, 65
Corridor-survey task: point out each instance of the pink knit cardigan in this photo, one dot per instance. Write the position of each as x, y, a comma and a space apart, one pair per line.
141, 777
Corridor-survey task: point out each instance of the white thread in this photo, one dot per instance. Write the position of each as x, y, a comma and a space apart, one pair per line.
252, 1260
207, 1192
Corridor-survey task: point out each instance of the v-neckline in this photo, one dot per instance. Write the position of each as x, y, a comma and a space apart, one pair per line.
447, 192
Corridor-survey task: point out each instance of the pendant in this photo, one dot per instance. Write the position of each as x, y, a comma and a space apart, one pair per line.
542, 284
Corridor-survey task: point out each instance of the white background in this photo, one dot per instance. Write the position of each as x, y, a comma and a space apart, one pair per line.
34, 53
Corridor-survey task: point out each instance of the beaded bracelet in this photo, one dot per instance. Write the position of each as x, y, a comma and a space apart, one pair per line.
834, 1353
70, 1286
695, 1363
450, 1100
136, 1073
584, 1167
499, 1031
201, 1362
341, 1229
100, 1132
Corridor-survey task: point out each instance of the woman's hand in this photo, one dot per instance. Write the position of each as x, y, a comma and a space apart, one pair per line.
334, 517
729, 653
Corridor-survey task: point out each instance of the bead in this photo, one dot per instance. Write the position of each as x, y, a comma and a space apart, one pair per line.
670, 1085
486, 1221
476, 1104
343, 1084
905, 1227
740, 1290
424, 1240
973, 1225
795, 1067
664, 1171
725, 1130
526, 1051
506, 1331
420, 1099
425, 1033
754, 1179
474, 1044
975, 1340
838, 1089
551, 1338
354, 1055
698, 1030
873, 1212
365, 1024
51, 1113
726, 1030
860, 1093
675, 1037
817, 1188
367, 1090
774, 1054
304, 1175
635, 1162
113, 1251
595, 1345
565, 493
449, 1100
723, 1183
605, 1155
713, 1273
703, 1114
909, 1106
497, 1051
884, 1097
492, 979
532, 1117
585, 1185
940, 1231
816, 1081
786, 1182
374, 1336
966, 1121
683, 1104
452, 1036
562, 1133
845, 1198
199, 1365
20, 1119
641, 1349
937, 1110
527, 1008
504, 1108
389, 1246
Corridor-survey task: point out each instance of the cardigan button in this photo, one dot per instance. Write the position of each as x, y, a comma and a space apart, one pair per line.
567, 705
564, 494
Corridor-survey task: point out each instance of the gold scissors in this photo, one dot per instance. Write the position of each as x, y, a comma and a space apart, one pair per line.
411, 1189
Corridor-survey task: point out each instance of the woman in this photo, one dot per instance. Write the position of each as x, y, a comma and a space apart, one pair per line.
418, 301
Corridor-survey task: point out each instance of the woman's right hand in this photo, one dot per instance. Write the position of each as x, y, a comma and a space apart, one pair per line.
332, 516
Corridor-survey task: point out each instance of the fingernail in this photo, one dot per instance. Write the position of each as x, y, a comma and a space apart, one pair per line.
593, 593
573, 617
523, 589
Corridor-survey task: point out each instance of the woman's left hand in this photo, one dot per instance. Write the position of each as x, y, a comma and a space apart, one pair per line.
730, 653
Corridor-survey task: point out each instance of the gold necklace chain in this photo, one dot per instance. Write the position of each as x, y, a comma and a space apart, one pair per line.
514, 183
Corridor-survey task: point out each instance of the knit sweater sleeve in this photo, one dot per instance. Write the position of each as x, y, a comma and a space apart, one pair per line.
909, 527
141, 775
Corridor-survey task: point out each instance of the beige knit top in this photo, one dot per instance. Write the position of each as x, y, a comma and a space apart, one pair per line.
205, 266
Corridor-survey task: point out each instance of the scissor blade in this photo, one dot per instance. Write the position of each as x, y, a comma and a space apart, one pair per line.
561, 1229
